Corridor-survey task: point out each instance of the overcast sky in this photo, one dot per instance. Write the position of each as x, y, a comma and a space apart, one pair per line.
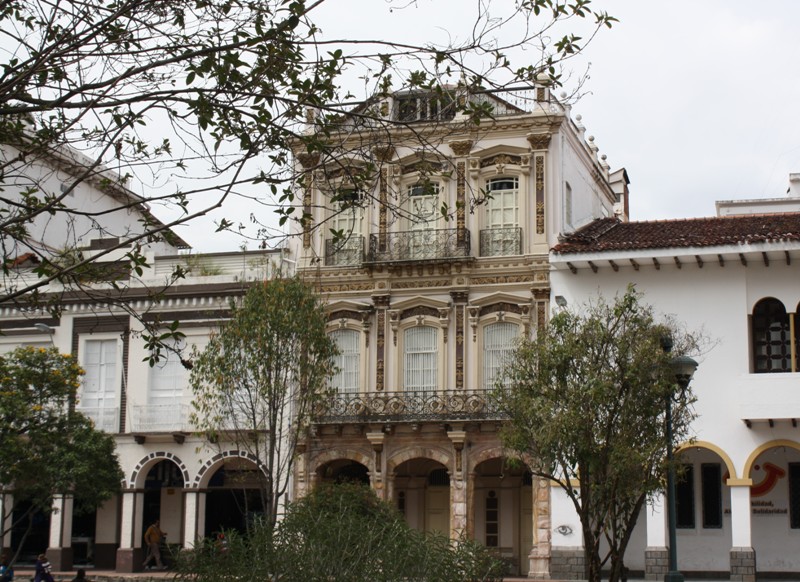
698, 99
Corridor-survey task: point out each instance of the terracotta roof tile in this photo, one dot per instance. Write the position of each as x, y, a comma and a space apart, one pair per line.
611, 234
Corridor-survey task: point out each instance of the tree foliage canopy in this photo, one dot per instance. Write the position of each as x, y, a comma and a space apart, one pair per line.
190, 105
45, 447
587, 400
258, 378
342, 532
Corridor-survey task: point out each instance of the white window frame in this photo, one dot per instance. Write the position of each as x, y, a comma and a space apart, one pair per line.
493, 359
402, 359
354, 357
99, 414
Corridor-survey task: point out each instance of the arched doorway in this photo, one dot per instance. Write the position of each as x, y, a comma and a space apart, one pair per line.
343, 470
163, 499
775, 507
235, 497
503, 511
422, 494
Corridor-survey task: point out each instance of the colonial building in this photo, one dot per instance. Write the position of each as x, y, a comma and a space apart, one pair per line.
428, 239
735, 277
195, 488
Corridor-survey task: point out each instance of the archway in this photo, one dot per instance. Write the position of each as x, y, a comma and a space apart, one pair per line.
234, 497
503, 510
422, 494
343, 470
775, 505
163, 498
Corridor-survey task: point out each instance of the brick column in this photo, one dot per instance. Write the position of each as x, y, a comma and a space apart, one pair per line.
656, 555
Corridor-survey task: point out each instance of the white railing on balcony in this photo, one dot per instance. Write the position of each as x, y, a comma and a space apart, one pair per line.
105, 419
160, 418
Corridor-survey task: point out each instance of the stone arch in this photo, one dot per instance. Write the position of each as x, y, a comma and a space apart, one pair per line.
407, 454
207, 470
748, 465
484, 455
139, 474
336, 454
714, 449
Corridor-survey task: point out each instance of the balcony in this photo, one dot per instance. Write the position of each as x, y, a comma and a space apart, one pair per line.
501, 242
160, 418
448, 405
344, 251
419, 245
104, 419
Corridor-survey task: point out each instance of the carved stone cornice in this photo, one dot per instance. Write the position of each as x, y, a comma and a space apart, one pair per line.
461, 148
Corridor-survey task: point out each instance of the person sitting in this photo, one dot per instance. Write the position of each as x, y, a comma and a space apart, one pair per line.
6, 572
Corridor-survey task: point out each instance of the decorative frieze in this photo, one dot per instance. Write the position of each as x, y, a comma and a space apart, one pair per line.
539, 181
461, 148
461, 188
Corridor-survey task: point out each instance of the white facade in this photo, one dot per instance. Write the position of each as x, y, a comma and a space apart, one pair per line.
747, 414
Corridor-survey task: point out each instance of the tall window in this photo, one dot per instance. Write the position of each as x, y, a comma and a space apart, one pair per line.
167, 379
711, 483
420, 359
684, 498
502, 235
99, 393
772, 342
498, 343
347, 246
346, 379
492, 520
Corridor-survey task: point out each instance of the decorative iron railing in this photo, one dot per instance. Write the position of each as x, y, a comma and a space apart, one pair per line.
344, 251
160, 418
408, 407
419, 245
499, 242
104, 419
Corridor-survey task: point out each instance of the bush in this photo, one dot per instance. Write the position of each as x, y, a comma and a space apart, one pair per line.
340, 533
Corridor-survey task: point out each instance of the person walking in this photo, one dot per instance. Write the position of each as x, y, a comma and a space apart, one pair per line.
153, 537
42, 571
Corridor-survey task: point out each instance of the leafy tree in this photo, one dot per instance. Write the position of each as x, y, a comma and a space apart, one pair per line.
257, 380
195, 104
586, 400
46, 447
341, 532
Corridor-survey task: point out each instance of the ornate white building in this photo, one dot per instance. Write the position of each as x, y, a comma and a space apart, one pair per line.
431, 251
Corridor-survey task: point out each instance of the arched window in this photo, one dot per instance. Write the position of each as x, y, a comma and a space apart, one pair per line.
498, 343
346, 378
772, 349
502, 235
420, 359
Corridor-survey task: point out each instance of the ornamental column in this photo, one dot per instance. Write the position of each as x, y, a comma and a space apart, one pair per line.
539, 143
461, 149
458, 486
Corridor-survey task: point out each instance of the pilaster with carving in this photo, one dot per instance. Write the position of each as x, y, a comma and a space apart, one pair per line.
460, 299
541, 300
308, 161
381, 303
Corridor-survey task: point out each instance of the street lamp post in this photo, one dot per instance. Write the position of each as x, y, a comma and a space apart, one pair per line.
683, 367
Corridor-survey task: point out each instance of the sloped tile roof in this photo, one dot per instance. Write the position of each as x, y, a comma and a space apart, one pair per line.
611, 234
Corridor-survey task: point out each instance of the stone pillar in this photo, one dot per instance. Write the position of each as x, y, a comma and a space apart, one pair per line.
60, 551
743, 556
190, 526
656, 554
130, 553
539, 558
6, 508
471, 504
376, 476
458, 486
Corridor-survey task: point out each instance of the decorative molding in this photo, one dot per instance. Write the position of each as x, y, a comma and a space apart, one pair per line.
444, 321
459, 339
461, 148
383, 209
381, 302
344, 314
501, 307
539, 141
383, 153
308, 160
502, 279
416, 311
421, 283
461, 205
539, 194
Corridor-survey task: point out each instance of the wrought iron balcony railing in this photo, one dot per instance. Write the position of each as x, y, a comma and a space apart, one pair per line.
344, 251
408, 407
499, 242
419, 245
